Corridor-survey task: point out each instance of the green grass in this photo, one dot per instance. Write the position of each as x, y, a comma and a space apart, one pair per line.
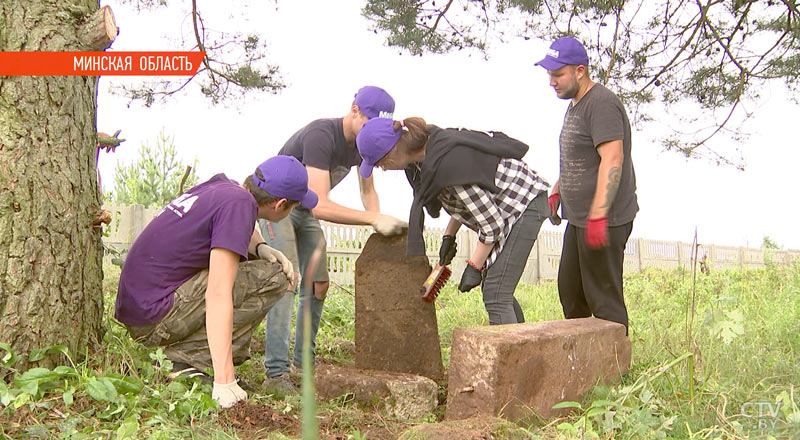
743, 355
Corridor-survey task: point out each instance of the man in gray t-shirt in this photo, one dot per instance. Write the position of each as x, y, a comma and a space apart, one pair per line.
596, 187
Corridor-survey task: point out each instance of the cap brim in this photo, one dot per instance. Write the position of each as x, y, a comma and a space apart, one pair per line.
550, 64
310, 200
365, 169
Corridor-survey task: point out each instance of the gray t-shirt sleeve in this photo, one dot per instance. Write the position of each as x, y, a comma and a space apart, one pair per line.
318, 149
606, 122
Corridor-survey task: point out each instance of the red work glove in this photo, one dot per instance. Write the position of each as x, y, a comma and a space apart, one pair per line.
597, 232
553, 201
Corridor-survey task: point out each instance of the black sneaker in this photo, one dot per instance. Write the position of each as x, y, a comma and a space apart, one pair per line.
188, 371
245, 386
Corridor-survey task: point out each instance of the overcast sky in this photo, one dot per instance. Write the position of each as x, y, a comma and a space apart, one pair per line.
326, 52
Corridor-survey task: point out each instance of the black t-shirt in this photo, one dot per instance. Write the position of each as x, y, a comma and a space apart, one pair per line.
597, 118
321, 144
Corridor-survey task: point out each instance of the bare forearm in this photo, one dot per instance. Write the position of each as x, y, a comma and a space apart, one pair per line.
452, 227
369, 197
223, 265
607, 186
371, 202
481, 253
608, 178
219, 329
336, 213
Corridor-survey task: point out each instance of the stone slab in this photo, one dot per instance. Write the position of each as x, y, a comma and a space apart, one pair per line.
395, 329
404, 396
521, 370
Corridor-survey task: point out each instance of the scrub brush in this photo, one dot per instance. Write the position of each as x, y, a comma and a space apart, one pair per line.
430, 288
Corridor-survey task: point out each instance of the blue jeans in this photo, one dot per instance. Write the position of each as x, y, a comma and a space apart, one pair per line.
297, 236
504, 274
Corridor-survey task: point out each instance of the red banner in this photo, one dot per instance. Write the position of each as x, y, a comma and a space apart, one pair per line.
100, 63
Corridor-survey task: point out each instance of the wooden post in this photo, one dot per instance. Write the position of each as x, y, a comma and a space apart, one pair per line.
741, 258
538, 245
639, 253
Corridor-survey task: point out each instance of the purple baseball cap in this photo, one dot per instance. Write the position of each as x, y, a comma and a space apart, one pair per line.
374, 102
286, 177
375, 139
564, 51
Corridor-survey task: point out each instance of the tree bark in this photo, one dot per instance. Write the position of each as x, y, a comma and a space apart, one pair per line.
50, 255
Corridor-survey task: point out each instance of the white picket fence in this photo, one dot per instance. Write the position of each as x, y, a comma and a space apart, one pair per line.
345, 244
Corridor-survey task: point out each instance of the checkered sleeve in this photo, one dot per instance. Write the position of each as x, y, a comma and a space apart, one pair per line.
480, 205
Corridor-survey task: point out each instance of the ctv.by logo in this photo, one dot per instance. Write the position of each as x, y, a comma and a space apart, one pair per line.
763, 414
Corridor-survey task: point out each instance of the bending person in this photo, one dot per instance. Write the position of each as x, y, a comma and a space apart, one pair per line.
327, 149
481, 181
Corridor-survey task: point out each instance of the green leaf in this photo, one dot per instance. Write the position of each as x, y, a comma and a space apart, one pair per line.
596, 411
111, 411
600, 403
30, 381
124, 385
67, 396
21, 399
63, 370
735, 315
9, 358
567, 428
6, 395
567, 404
38, 354
101, 389
176, 388
127, 429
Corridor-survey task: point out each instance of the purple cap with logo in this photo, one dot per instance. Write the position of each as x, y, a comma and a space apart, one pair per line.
564, 51
376, 138
374, 102
287, 178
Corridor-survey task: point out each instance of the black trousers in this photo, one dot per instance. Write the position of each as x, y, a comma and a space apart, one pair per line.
590, 280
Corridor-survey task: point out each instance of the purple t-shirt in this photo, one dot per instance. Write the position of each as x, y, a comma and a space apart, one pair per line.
177, 244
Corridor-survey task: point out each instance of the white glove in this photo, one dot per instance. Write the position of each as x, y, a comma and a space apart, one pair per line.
273, 255
388, 225
228, 394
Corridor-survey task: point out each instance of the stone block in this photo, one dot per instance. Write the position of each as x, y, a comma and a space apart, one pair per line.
395, 329
522, 370
404, 396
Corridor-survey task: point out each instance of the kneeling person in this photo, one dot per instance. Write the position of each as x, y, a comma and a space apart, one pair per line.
187, 284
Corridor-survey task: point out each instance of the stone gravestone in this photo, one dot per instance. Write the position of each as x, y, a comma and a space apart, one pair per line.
517, 370
395, 329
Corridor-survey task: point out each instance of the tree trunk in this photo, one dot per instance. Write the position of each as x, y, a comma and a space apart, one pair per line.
50, 254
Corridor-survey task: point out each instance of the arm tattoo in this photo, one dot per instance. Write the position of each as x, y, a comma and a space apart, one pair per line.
614, 175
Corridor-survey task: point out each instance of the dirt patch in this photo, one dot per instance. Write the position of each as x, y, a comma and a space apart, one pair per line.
341, 425
252, 420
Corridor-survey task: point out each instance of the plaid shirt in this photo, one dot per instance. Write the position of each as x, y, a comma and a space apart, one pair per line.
492, 215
